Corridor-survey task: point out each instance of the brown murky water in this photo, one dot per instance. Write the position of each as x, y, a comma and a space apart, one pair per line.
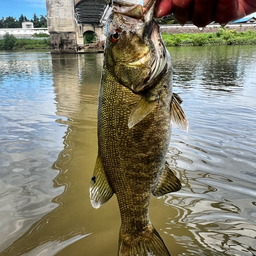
48, 146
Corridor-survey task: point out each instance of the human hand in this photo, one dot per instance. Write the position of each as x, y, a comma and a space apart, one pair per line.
203, 12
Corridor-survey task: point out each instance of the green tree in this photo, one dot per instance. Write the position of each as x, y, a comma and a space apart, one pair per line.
9, 41
36, 21
2, 23
21, 19
11, 22
43, 21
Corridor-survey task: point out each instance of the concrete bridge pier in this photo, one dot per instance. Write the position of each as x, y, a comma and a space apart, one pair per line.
68, 20
61, 26
63, 42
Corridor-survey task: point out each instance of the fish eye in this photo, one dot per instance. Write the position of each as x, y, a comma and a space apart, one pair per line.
115, 36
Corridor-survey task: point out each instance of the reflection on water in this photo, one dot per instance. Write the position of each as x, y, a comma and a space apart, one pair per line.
48, 146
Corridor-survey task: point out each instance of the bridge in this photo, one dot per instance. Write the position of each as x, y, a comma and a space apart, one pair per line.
69, 20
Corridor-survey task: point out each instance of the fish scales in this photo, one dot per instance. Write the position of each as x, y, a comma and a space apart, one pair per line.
134, 156
136, 107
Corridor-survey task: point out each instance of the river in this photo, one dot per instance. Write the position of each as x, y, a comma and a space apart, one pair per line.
48, 147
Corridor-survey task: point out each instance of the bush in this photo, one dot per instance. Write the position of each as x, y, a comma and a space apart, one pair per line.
222, 37
40, 35
32, 44
169, 42
215, 41
199, 40
220, 32
187, 42
8, 41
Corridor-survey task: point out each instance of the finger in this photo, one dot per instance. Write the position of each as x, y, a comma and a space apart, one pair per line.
246, 7
202, 13
182, 10
163, 8
226, 11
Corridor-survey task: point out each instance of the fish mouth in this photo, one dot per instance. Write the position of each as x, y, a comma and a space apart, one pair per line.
159, 65
150, 80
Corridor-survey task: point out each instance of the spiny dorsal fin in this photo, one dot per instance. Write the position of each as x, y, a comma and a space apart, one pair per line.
141, 110
167, 183
178, 116
100, 190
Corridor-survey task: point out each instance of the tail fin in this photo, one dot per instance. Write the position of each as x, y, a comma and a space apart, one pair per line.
146, 243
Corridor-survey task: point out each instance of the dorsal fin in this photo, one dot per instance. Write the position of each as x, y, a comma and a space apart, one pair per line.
178, 116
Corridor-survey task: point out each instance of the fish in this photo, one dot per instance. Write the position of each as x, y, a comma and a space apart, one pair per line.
136, 109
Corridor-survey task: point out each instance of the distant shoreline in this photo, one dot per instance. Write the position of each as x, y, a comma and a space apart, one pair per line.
173, 35
212, 28
220, 36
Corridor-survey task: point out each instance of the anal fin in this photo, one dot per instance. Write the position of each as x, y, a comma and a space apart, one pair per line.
167, 183
100, 190
178, 116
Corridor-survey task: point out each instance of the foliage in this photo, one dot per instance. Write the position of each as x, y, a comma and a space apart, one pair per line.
10, 42
22, 19
221, 37
11, 22
40, 35
36, 21
1, 24
32, 44
39, 22
43, 21
89, 37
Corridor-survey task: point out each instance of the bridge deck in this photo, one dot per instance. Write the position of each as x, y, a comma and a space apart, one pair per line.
92, 11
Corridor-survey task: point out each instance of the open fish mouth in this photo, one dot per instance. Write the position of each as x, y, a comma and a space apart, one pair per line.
160, 51
159, 64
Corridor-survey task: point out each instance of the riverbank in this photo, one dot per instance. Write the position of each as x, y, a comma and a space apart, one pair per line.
10, 42
211, 28
221, 37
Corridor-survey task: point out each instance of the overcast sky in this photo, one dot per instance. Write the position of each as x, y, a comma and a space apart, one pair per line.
15, 8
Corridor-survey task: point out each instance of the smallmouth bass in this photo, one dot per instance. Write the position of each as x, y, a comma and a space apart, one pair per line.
136, 107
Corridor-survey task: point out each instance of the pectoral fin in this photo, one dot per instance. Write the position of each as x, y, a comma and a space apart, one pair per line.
100, 190
168, 183
178, 116
142, 109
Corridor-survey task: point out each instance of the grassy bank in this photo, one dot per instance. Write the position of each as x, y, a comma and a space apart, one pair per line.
222, 37
10, 42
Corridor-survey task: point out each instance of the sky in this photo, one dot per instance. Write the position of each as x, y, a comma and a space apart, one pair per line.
15, 8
